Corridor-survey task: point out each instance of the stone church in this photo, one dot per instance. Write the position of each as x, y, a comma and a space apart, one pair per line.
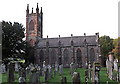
82, 48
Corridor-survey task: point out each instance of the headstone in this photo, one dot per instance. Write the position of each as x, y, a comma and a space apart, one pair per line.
89, 70
21, 80
16, 67
34, 78
71, 68
115, 65
95, 72
63, 80
60, 69
3, 68
76, 78
110, 69
86, 76
10, 72
56, 66
50, 71
107, 65
60, 66
46, 74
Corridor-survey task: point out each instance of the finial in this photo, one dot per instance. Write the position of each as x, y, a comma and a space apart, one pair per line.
59, 36
47, 36
27, 6
41, 9
27, 11
37, 9
32, 9
84, 34
37, 5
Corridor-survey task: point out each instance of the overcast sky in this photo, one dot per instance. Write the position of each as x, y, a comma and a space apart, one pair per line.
66, 17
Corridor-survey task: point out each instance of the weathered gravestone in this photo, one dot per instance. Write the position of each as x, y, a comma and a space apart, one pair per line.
56, 66
46, 75
76, 78
86, 76
110, 65
3, 68
60, 66
63, 80
115, 65
50, 71
89, 70
34, 78
10, 72
71, 68
107, 65
16, 67
95, 72
110, 69
22, 75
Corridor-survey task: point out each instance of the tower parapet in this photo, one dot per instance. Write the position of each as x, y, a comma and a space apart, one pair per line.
34, 25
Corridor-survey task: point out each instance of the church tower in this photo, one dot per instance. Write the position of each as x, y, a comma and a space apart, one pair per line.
34, 25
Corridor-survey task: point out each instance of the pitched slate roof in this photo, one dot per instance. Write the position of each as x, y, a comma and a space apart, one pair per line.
66, 41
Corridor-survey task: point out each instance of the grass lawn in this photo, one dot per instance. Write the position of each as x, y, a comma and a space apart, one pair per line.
57, 78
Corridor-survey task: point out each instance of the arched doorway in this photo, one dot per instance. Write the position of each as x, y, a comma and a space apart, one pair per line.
79, 57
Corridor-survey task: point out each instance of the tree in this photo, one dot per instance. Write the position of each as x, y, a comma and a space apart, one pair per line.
12, 39
116, 49
28, 53
106, 45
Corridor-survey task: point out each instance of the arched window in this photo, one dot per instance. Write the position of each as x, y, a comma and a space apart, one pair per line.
79, 57
92, 55
31, 42
31, 25
65, 56
41, 56
53, 57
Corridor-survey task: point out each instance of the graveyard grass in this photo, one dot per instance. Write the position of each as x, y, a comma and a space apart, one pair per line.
57, 78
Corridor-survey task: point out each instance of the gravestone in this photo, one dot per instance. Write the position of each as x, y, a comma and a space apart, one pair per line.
115, 65
3, 68
60, 69
21, 80
89, 70
110, 69
63, 80
10, 72
46, 74
95, 72
76, 78
34, 78
71, 68
50, 71
16, 67
110, 65
107, 65
56, 66
60, 66
86, 76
